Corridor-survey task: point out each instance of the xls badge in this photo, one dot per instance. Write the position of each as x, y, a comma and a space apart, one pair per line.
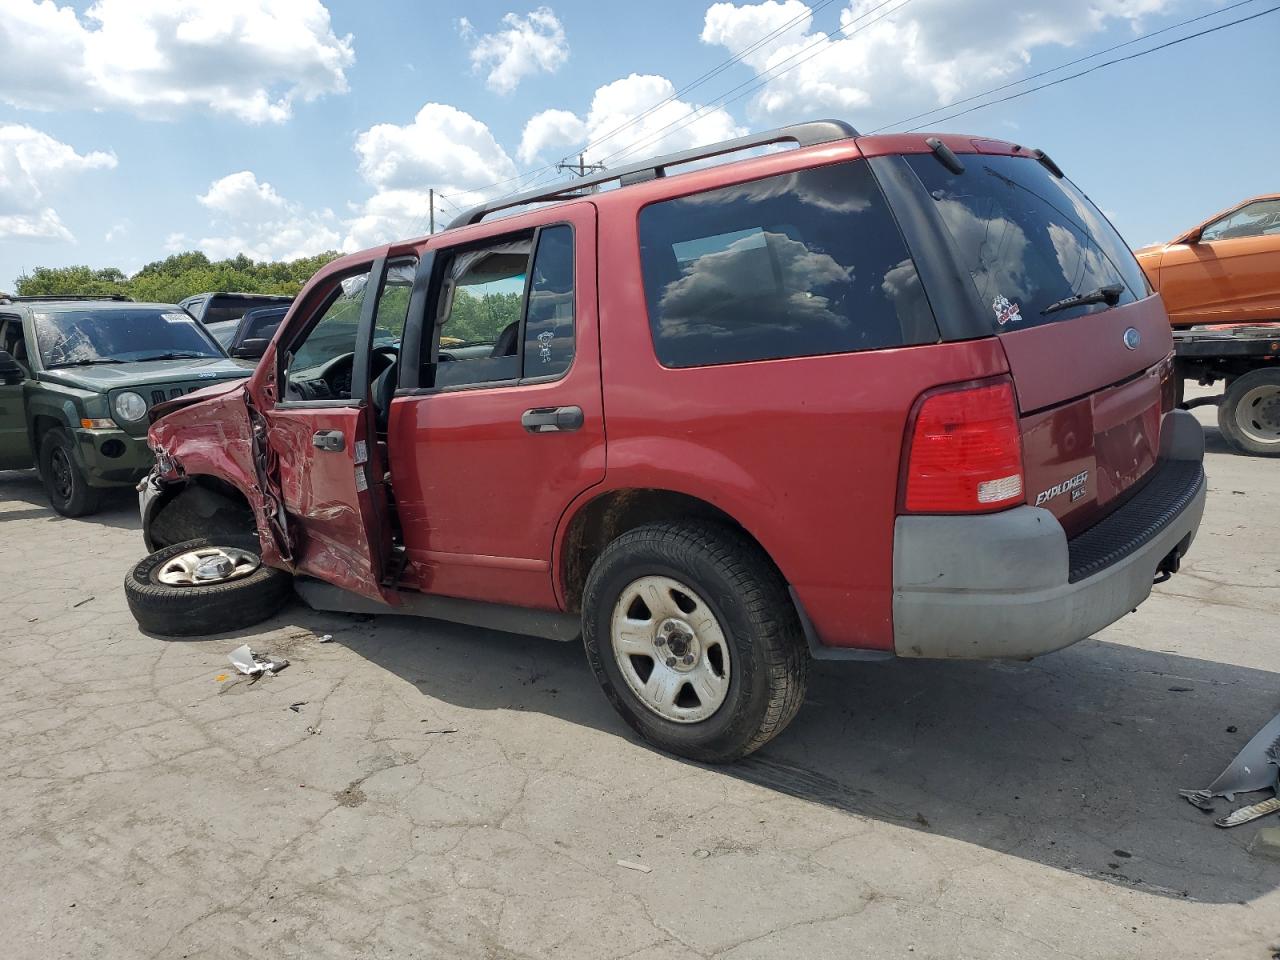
1076, 485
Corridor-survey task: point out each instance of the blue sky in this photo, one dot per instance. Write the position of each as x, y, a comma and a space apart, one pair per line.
130, 129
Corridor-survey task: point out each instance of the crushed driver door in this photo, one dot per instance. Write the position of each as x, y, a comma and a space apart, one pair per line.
322, 432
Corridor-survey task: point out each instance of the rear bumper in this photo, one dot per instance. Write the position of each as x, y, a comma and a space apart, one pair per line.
1010, 585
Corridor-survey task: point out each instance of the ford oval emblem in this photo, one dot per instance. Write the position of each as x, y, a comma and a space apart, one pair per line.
1132, 338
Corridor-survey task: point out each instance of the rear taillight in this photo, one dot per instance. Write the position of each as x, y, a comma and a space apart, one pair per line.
965, 453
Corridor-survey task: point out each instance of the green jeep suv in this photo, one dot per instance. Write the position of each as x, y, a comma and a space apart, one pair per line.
78, 377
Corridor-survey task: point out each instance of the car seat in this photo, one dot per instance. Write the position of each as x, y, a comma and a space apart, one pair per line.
505, 345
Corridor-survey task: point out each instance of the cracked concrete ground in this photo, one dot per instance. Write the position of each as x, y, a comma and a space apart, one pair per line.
151, 809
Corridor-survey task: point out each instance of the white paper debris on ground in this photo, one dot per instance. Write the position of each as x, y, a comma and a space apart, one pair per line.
638, 867
327, 638
254, 664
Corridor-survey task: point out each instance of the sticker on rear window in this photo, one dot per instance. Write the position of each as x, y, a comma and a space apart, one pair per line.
1006, 311
177, 318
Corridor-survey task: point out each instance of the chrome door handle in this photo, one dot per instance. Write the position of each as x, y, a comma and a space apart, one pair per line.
331, 440
552, 419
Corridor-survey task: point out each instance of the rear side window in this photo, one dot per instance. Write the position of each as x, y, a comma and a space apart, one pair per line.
1029, 240
795, 265
548, 325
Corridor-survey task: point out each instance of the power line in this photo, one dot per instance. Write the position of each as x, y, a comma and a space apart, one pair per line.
1063, 66
763, 80
773, 73
1099, 66
693, 84
715, 71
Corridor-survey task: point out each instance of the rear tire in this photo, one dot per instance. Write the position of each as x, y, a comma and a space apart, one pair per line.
68, 489
712, 687
1249, 414
195, 609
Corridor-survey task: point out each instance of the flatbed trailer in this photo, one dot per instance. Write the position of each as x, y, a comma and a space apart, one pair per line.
1246, 357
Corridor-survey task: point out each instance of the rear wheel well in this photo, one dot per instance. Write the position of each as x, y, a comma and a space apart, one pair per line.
204, 506
612, 514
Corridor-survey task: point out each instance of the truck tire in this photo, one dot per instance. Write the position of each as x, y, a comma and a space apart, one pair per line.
205, 586
1249, 414
691, 633
68, 489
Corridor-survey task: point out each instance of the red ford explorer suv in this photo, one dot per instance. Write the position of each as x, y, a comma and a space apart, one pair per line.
873, 396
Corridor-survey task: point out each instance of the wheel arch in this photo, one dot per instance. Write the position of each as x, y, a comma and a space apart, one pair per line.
603, 516
200, 505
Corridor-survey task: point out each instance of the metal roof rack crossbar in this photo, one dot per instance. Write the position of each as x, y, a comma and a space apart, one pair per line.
808, 134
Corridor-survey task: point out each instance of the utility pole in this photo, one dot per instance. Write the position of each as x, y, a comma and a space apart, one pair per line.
581, 168
431, 199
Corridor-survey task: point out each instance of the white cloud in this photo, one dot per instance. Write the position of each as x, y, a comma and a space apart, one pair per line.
118, 231
442, 148
934, 52
241, 197
252, 59
526, 46
675, 125
551, 128
32, 165
257, 221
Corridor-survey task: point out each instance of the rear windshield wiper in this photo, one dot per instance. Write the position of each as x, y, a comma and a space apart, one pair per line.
1110, 295
174, 356
87, 362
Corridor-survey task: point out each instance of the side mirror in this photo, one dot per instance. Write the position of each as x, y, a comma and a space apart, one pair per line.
1191, 236
251, 349
11, 372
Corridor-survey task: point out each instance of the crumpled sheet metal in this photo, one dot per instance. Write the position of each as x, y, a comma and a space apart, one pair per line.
1255, 767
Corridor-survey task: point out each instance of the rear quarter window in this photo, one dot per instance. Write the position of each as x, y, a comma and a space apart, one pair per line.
1028, 239
801, 264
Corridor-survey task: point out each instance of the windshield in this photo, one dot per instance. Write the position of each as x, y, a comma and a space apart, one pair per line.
1030, 241
120, 335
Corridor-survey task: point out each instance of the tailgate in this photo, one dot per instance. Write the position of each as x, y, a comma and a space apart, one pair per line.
1092, 393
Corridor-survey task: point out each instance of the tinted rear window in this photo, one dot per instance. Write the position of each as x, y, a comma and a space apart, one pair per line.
795, 265
234, 308
1028, 239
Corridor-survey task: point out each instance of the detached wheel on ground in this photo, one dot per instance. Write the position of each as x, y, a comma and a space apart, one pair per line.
692, 634
69, 492
205, 586
1249, 414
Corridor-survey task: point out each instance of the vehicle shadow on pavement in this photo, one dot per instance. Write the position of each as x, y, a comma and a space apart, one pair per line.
22, 497
1073, 761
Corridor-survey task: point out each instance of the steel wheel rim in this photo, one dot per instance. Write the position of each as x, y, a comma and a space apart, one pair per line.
670, 649
60, 466
1258, 414
206, 566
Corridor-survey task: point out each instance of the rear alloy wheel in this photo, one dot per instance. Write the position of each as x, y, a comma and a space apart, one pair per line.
204, 587
693, 637
69, 492
1249, 414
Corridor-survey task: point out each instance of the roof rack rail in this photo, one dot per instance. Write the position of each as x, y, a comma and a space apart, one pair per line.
54, 298
807, 134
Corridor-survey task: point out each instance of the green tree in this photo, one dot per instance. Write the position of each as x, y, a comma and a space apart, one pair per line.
176, 277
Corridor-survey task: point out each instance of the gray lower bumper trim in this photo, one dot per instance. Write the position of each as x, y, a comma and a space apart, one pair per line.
997, 586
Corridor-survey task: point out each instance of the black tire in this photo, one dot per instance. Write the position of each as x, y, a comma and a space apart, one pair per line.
1249, 413
68, 490
189, 611
751, 604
